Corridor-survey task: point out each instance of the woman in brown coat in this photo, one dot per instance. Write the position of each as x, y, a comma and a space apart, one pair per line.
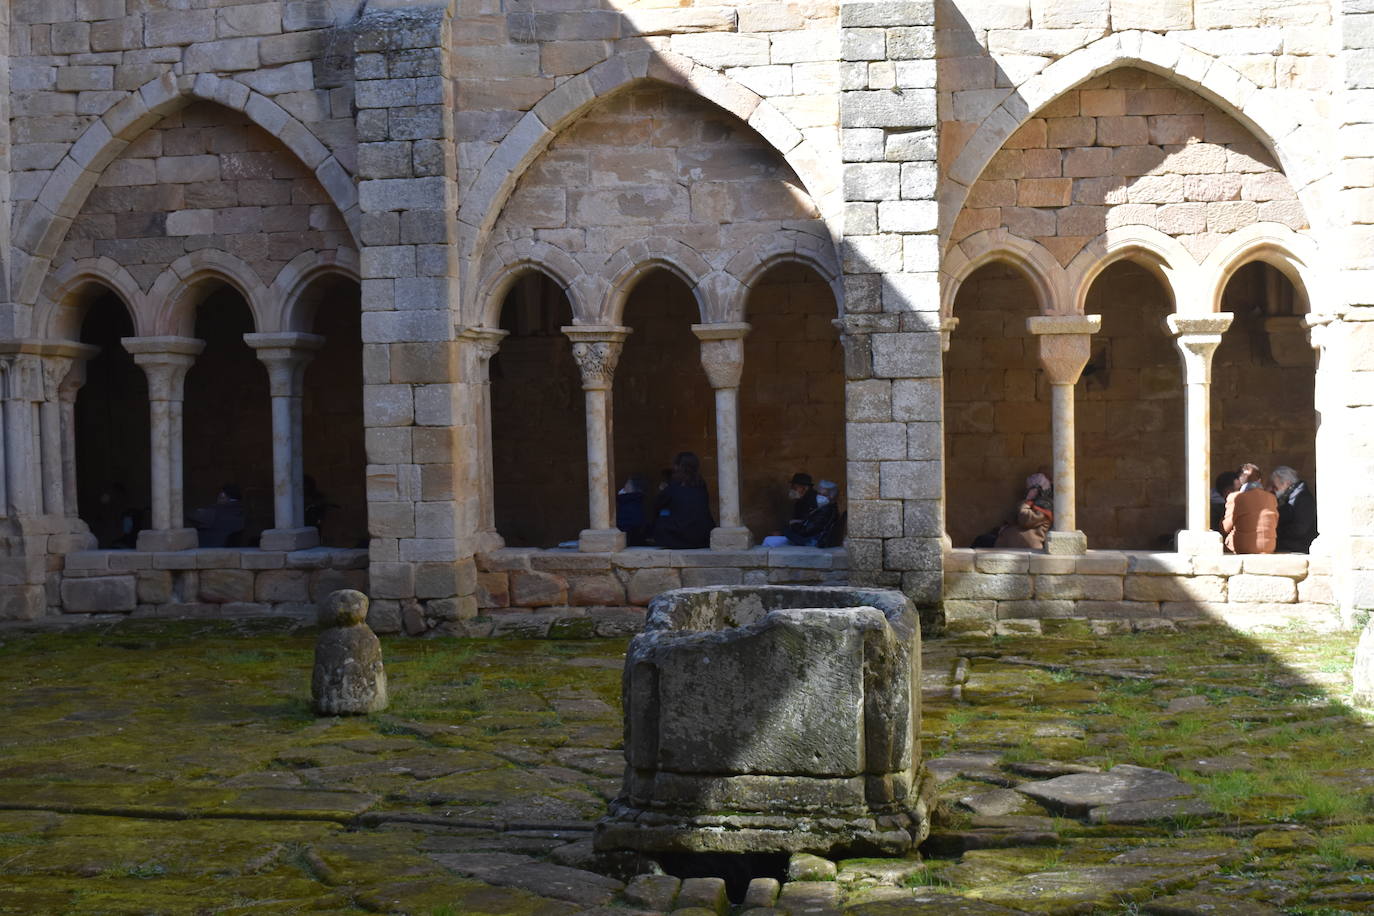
1252, 515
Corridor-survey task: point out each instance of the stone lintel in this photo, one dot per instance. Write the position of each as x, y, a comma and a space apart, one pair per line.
1198, 325
732, 330
1041, 325
169, 345
287, 340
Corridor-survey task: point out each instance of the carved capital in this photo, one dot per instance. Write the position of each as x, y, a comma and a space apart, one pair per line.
597, 351
722, 352
484, 342
1065, 344
947, 326
55, 370
285, 356
1198, 337
165, 360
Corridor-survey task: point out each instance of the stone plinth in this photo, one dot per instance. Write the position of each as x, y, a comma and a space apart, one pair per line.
772, 719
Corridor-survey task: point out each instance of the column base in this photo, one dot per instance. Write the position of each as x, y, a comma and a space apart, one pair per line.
1199, 543
290, 538
71, 542
601, 540
1066, 543
489, 540
166, 539
731, 539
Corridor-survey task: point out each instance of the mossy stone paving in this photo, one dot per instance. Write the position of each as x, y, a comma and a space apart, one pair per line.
175, 767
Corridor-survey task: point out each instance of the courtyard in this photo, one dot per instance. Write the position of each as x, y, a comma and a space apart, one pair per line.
175, 767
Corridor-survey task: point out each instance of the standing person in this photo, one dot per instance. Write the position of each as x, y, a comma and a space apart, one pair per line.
683, 507
1297, 527
1252, 515
1034, 516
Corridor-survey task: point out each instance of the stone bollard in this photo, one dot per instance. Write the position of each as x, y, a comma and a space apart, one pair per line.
348, 677
1363, 675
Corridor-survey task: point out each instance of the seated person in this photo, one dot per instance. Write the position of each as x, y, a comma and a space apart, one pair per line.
1225, 485
1252, 515
820, 527
1297, 527
629, 510
221, 525
1034, 516
682, 511
802, 492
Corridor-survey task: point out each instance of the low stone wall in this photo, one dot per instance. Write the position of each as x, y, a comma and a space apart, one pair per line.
536, 593
227, 582
1016, 591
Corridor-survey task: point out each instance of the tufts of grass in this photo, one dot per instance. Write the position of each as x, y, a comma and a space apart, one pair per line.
925, 877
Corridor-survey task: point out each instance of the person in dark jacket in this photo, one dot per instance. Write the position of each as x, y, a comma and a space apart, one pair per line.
221, 525
817, 529
683, 508
629, 510
802, 492
1297, 511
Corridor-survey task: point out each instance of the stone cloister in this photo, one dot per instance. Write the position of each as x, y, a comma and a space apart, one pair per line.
468, 269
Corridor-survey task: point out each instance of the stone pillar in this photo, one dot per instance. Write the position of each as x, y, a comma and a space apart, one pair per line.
50, 438
597, 350
66, 393
1198, 337
166, 360
483, 344
1065, 346
1341, 395
286, 355
947, 327
23, 387
722, 356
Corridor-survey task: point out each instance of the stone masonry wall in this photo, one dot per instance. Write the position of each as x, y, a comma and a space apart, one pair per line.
1128, 148
207, 583
1020, 591
204, 177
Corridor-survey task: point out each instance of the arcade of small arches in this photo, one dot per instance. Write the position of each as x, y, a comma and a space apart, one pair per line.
771, 367
210, 377
1074, 370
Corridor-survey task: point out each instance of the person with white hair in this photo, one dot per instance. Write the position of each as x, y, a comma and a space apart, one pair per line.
1297, 527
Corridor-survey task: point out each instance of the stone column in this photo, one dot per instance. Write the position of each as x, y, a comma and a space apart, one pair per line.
1065, 346
722, 356
1197, 337
597, 350
286, 355
23, 388
66, 393
50, 438
166, 360
483, 344
947, 328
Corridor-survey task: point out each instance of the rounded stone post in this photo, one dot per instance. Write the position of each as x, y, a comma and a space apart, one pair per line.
947, 328
66, 393
286, 356
1197, 338
482, 345
23, 387
165, 361
1065, 346
597, 351
722, 356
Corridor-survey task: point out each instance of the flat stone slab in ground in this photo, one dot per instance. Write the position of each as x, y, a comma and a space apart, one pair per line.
1078, 793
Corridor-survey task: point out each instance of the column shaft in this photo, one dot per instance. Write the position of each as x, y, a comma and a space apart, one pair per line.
286, 356
50, 443
597, 351
1065, 473
1197, 338
166, 360
722, 356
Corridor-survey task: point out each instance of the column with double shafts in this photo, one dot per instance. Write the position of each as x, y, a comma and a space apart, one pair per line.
1065, 346
286, 356
597, 351
722, 356
1197, 338
165, 361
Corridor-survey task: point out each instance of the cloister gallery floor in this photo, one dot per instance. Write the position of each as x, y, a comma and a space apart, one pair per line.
175, 767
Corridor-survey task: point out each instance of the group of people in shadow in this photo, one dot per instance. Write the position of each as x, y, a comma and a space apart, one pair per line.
1251, 516
678, 515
